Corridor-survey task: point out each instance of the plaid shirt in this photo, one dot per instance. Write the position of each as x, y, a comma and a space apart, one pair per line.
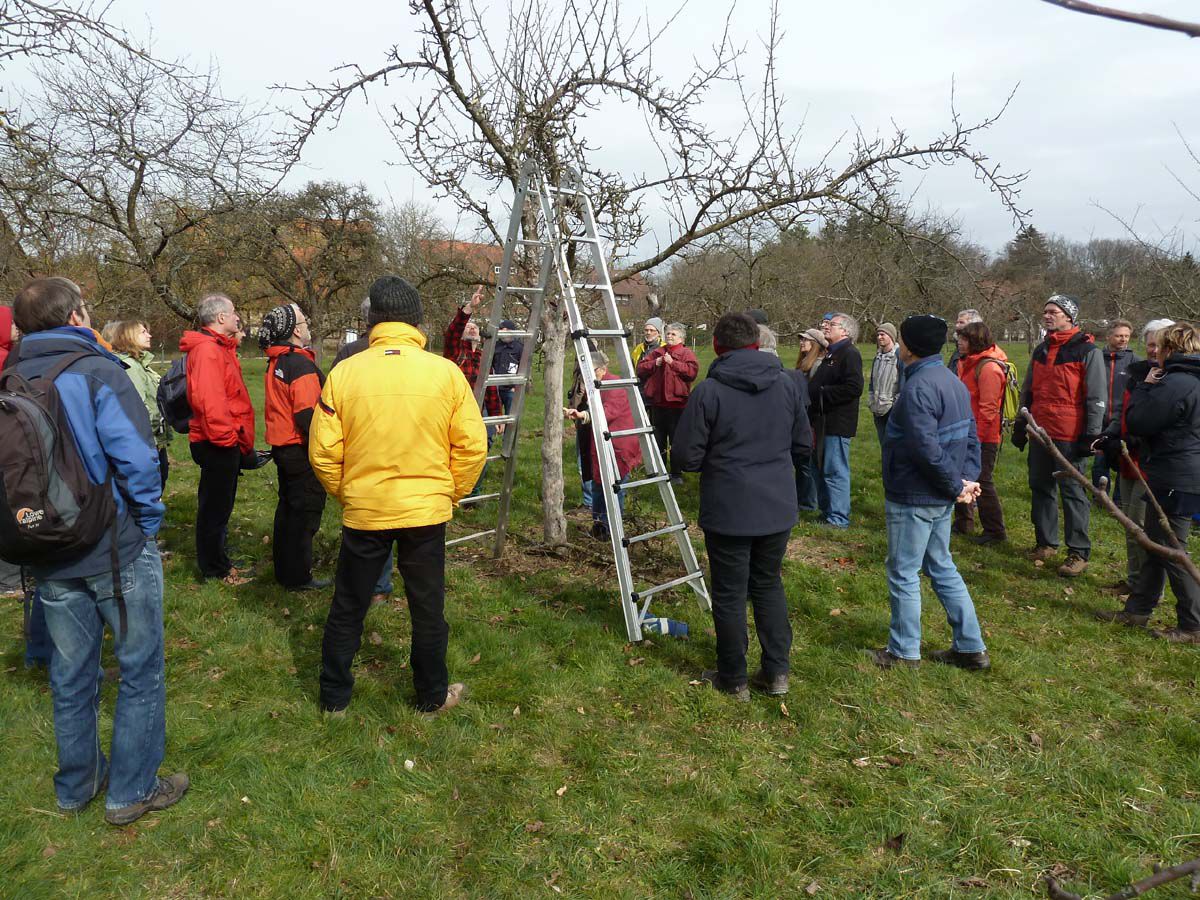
467, 359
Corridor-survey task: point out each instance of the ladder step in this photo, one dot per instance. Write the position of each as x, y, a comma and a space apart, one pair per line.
606, 332
555, 189
499, 420
506, 380
495, 457
613, 384
471, 537
527, 243
478, 498
503, 333
653, 479
582, 239
523, 290
670, 529
648, 592
628, 432
591, 287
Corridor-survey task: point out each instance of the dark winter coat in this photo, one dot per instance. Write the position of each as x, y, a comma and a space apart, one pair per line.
506, 358
834, 389
740, 429
1116, 370
930, 446
1167, 418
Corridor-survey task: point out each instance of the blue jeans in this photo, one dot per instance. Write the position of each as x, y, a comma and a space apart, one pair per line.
588, 484
37, 643
77, 609
919, 537
833, 481
384, 584
599, 509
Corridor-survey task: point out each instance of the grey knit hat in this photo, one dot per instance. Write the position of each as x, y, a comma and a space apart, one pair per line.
656, 322
277, 325
395, 300
890, 330
1068, 304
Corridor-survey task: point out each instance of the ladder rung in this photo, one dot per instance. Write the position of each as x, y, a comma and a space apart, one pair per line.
499, 420
494, 380
607, 333
670, 529
523, 290
648, 592
502, 333
590, 287
628, 432
555, 189
527, 243
478, 498
471, 537
582, 239
653, 479
495, 457
612, 384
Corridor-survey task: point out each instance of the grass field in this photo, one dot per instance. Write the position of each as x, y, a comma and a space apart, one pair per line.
582, 766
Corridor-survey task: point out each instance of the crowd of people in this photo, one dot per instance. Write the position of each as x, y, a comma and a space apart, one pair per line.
394, 433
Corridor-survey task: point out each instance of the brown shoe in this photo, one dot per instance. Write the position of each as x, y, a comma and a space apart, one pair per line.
1043, 553
454, 696
886, 660
1075, 566
1120, 617
167, 792
1177, 636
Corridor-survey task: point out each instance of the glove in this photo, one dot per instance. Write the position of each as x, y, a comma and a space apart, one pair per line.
254, 459
1083, 447
1020, 439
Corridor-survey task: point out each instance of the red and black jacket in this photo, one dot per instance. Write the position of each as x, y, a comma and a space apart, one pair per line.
293, 387
1065, 386
468, 360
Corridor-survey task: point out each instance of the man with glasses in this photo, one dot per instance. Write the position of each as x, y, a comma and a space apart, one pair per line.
293, 388
221, 430
834, 390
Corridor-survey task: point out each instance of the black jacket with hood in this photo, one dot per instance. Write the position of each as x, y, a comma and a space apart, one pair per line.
1166, 416
740, 429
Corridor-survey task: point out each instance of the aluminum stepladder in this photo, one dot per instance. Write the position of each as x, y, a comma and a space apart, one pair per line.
528, 190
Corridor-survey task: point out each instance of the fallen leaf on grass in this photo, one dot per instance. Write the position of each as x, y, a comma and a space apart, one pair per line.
562, 790
1039, 564
409, 764
973, 882
894, 761
266, 539
695, 682
245, 799
581, 710
1035, 739
516, 710
535, 827
637, 660
454, 794
1068, 591
286, 612
812, 888
862, 762
835, 612
896, 842
1019, 842
49, 851
784, 710
376, 638
474, 659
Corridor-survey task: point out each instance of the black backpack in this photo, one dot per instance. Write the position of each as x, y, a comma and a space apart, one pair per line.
49, 507
172, 396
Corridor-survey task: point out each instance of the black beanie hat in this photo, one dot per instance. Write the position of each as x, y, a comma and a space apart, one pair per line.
277, 326
759, 316
395, 300
923, 335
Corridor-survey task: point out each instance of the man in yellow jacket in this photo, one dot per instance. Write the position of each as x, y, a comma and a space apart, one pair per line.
397, 438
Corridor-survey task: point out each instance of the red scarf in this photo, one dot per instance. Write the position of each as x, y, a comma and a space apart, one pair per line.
723, 350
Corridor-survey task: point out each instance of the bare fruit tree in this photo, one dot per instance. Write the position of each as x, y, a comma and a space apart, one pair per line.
135, 153
480, 95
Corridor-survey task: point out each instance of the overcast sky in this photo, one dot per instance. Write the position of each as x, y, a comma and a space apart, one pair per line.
1093, 121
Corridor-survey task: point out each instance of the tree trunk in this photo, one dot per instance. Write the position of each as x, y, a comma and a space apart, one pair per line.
554, 344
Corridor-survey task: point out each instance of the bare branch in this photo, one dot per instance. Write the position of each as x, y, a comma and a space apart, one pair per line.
1191, 29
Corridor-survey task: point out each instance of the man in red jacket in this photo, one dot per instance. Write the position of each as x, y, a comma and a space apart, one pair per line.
293, 388
222, 428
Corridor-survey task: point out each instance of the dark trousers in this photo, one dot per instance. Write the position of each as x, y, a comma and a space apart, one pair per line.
421, 559
991, 513
164, 466
1156, 570
1045, 489
214, 505
806, 483
297, 515
741, 567
665, 420
881, 425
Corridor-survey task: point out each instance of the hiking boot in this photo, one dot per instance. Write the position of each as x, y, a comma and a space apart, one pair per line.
974, 662
1177, 635
1121, 588
167, 792
772, 685
1120, 617
313, 584
962, 530
454, 696
600, 531
1075, 566
988, 538
1043, 552
712, 678
885, 659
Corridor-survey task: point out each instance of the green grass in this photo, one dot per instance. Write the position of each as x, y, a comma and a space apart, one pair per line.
1081, 748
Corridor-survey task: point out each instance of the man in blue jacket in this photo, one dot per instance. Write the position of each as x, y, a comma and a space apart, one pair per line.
930, 462
111, 429
740, 428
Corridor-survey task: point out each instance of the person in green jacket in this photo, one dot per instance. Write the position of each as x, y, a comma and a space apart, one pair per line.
130, 339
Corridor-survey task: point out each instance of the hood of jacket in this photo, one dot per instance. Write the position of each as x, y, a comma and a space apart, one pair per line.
397, 334
1188, 363
746, 370
193, 339
66, 339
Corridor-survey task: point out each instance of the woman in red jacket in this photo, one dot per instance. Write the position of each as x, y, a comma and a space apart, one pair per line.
982, 368
667, 373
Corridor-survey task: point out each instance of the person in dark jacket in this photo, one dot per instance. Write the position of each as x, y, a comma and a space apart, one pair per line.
359, 344
221, 432
930, 461
740, 430
1064, 389
667, 373
1164, 411
292, 390
111, 431
506, 360
834, 390
1117, 359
